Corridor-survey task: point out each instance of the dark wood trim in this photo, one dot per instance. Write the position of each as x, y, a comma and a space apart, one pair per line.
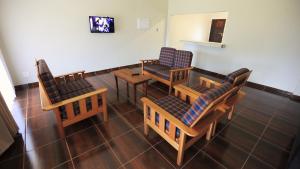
88, 74
254, 85
206, 72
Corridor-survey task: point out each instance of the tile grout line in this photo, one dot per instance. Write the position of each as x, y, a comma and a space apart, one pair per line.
247, 132
151, 146
259, 139
25, 132
69, 152
107, 143
201, 149
239, 148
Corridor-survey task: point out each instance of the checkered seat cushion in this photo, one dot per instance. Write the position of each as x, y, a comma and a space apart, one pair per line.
183, 59
173, 105
231, 77
166, 56
159, 70
48, 81
203, 101
72, 86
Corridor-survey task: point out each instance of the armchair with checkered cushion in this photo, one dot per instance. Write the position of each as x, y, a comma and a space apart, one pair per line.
182, 121
70, 96
237, 78
172, 67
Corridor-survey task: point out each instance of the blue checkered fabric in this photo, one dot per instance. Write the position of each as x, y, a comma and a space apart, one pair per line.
231, 77
48, 81
183, 59
202, 102
173, 105
166, 56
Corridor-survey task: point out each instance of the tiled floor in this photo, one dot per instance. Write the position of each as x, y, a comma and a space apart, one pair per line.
259, 136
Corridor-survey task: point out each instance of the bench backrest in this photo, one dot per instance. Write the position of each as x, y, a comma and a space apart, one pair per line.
46, 78
175, 58
182, 59
208, 102
166, 56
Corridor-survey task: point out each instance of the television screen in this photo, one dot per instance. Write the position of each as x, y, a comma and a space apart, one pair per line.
100, 24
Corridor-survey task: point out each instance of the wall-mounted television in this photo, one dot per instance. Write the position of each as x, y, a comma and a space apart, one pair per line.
100, 24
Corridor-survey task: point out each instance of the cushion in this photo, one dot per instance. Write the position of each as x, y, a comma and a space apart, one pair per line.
173, 105
159, 70
203, 101
230, 77
183, 59
48, 81
155, 67
73, 86
166, 56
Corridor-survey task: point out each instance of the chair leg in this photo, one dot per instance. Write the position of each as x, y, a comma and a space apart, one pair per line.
59, 124
104, 106
209, 132
170, 90
214, 129
230, 113
146, 129
181, 149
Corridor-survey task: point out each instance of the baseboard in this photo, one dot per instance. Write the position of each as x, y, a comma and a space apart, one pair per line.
88, 74
206, 72
254, 85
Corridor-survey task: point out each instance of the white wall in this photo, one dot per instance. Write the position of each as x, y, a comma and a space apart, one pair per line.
59, 32
261, 35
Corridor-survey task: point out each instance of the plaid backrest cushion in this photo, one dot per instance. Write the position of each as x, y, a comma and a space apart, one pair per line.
202, 102
166, 56
183, 59
232, 76
48, 81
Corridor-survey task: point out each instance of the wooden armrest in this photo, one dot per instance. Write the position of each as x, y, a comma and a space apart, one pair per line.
189, 131
48, 107
180, 69
185, 90
209, 81
72, 73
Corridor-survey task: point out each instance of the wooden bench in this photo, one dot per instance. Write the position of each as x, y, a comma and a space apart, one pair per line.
70, 96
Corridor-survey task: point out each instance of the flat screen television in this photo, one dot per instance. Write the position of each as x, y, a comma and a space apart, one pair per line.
100, 24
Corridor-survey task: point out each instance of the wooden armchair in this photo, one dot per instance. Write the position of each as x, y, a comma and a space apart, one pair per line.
70, 96
174, 119
237, 78
172, 67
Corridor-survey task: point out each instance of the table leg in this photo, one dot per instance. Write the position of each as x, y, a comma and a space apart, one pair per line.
134, 93
146, 88
117, 85
127, 88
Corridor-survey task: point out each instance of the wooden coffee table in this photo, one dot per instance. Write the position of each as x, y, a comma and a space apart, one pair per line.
126, 74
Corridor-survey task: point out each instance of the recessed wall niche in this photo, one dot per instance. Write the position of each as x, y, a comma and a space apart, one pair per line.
200, 28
